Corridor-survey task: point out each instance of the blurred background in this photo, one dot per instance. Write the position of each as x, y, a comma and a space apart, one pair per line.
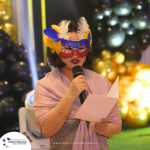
121, 38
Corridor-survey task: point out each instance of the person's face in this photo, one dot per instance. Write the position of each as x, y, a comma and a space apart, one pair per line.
71, 62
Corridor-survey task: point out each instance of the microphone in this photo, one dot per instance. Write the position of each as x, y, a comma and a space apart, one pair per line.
77, 70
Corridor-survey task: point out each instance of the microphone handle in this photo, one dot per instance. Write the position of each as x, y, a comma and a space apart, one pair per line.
83, 96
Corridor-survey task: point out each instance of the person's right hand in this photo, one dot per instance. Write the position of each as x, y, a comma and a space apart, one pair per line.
78, 85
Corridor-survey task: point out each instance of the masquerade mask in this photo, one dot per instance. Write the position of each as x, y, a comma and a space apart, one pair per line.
56, 38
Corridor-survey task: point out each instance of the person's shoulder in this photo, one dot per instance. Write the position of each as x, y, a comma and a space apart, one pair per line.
47, 78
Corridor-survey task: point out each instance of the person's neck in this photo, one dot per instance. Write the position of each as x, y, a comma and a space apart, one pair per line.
68, 73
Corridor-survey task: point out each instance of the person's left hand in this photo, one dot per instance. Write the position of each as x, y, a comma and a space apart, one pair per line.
101, 127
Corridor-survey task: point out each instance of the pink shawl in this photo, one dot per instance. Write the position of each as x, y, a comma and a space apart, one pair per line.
51, 89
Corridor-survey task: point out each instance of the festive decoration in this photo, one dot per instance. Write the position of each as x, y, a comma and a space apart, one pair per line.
8, 2
10, 30
118, 58
136, 117
8, 109
106, 68
123, 108
43, 69
129, 88
105, 54
5, 12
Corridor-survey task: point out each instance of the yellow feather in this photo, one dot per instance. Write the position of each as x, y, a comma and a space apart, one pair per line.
57, 28
53, 45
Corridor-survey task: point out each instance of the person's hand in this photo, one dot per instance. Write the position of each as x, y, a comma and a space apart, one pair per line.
78, 84
101, 127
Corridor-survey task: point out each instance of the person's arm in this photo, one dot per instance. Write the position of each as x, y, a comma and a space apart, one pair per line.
58, 115
106, 129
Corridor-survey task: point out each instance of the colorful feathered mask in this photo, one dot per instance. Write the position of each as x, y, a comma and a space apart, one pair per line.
56, 38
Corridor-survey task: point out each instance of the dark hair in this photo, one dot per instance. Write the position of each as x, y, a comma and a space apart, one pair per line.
55, 60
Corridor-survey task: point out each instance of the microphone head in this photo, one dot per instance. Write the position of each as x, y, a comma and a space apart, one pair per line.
77, 70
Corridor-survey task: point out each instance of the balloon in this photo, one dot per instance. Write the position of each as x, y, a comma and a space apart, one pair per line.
98, 45
1, 34
144, 38
10, 30
106, 68
98, 14
123, 108
122, 69
5, 89
118, 58
143, 75
136, 117
115, 37
2, 69
43, 69
8, 109
20, 88
106, 54
99, 2
3, 50
131, 30
12, 127
18, 48
148, 110
112, 19
140, 19
5, 12
139, 4
20, 72
24, 56
138, 67
95, 60
99, 27
8, 2
143, 100
122, 8
107, 10
124, 22
129, 88
130, 65
11, 58
10, 46
131, 49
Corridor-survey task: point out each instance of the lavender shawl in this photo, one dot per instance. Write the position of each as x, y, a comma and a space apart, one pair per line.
51, 89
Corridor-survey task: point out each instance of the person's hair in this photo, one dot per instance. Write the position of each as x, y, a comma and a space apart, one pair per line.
55, 60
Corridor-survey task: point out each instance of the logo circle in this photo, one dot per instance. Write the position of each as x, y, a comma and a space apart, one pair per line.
14, 141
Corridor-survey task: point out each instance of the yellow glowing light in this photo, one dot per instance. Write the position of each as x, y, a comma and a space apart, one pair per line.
142, 116
124, 110
135, 90
145, 100
104, 73
100, 63
144, 75
7, 25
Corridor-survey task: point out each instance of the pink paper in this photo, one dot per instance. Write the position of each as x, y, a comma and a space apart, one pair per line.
98, 106
95, 107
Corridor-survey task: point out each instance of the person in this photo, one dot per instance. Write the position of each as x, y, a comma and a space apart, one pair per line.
56, 97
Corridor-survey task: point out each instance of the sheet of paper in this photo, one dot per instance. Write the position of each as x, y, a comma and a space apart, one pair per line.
98, 106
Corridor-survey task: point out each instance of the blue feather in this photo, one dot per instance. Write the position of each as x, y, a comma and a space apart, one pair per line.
51, 33
89, 37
